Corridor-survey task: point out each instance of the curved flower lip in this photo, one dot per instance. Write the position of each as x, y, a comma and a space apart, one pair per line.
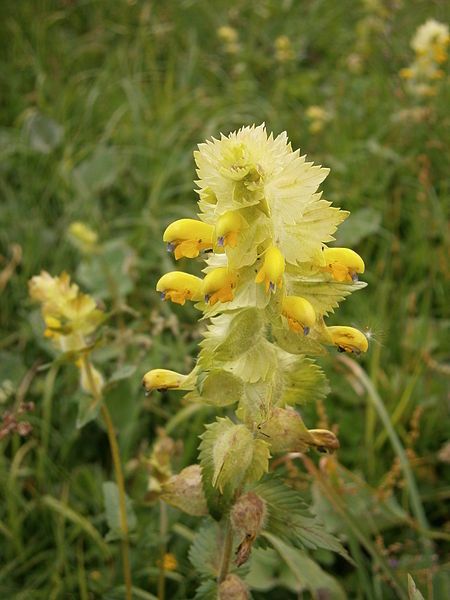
344, 264
299, 312
324, 440
187, 237
272, 270
218, 285
228, 227
162, 379
348, 339
179, 287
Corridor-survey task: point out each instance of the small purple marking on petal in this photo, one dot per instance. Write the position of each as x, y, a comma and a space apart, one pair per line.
220, 241
272, 286
355, 277
306, 330
170, 247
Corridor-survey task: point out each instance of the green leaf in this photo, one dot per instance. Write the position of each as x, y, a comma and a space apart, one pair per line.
88, 409
360, 224
290, 518
413, 592
203, 552
295, 343
112, 508
229, 456
257, 363
221, 388
123, 372
108, 275
243, 331
308, 574
99, 171
44, 134
304, 381
323, 295
207, 590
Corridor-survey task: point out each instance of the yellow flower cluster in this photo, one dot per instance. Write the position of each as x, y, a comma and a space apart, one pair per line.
430, 46
262, 232
69, 315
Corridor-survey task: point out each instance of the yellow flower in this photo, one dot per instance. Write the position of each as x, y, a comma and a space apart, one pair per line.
271, 273
227, 34
91, 380
228, 227
83, 236
187, 237
162, 379
169, 562
299, 312
179, 287
348, 339
344, 264
218, 285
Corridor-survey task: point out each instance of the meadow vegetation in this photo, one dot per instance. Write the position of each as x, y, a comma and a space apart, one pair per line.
102, 106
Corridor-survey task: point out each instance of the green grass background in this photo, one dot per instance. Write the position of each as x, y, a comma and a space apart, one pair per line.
101, 106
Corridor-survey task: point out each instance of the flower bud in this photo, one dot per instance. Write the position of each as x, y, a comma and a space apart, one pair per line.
271, 273
218, 285
324, 440
348, 339
185, 491
344, 264
187, 237
233, 588
162, 379
91, 380
179, 287
299, 312
228, 227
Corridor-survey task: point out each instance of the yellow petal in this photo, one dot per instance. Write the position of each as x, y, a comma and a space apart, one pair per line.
348, 339
162, 379
179, 287
299, 312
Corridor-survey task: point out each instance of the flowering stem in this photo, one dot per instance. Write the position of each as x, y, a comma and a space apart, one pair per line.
162, 549
114, 447
226, 552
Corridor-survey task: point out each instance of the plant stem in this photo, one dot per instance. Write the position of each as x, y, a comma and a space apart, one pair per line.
162, 549
46, 420
226, 552
114, 447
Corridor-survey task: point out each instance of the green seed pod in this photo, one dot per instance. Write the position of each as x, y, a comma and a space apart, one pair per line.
286, 432
248, 514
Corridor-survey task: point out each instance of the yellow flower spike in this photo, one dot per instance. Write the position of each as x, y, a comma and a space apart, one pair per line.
162, 379
299, 312
228, 227
271, 273
218, 285
187, 237
344, 264
179, 287
348, 339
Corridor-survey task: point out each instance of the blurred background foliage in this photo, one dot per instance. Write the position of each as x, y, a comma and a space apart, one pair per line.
101, 106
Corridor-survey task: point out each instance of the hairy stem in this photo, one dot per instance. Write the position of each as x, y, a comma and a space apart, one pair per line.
114, 447
227, 546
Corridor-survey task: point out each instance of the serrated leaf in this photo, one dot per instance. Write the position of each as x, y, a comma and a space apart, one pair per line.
304, 381
308, 574
112, 509
290, 518
229, 456
203, 553
255, 404
413, 592
323, 295
207, 590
